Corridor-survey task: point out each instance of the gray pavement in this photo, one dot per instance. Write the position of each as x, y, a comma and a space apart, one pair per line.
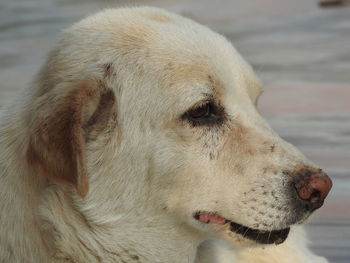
301, 52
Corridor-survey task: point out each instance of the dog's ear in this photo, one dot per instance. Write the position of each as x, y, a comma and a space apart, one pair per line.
60, 127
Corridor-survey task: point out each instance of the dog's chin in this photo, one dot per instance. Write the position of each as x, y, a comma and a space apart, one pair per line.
241, 233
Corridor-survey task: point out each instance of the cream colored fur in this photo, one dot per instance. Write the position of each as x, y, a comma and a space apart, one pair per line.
99, 164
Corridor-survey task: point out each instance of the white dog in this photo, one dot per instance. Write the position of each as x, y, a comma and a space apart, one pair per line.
140, 141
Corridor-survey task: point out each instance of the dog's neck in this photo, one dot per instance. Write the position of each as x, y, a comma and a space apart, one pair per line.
116, 221
63, 232
125, 238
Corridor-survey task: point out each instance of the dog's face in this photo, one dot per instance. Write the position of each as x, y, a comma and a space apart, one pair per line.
170, 127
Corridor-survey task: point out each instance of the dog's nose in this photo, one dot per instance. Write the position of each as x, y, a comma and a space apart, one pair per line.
312, 187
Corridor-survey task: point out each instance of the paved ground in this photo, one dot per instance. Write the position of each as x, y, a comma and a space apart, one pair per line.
301, 52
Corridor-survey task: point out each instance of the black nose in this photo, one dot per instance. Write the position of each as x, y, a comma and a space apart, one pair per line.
312, 186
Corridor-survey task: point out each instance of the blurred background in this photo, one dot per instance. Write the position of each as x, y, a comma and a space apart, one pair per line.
300, 49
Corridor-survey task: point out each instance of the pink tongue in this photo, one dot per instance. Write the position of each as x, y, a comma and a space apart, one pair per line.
211, 219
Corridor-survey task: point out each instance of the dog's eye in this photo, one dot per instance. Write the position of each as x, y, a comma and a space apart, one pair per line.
203, 111
205, 114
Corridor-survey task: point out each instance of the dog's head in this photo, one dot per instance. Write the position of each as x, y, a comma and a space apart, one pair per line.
156, 115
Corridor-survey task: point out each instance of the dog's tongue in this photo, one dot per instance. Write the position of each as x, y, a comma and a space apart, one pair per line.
209, 218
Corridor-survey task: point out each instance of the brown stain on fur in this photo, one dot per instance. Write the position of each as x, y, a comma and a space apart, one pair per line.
182, 73
135, 36
56, 145
155, 16
242, 144
216, 85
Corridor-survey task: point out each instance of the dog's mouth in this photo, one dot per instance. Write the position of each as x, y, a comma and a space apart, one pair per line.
260, 236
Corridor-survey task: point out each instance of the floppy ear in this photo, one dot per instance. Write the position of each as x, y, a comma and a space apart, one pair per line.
60, 127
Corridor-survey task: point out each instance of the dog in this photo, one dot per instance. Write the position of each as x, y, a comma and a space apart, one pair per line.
140, 141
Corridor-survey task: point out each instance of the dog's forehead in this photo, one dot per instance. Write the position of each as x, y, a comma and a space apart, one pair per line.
177, 50
215, 68
194, 56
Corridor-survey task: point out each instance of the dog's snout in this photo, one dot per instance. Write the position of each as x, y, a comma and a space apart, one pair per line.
312, 187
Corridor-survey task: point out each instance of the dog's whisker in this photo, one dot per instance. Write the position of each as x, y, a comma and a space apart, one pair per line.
245, 232
257, 237
268, 238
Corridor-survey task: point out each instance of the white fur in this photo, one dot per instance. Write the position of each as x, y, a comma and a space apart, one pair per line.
148, 169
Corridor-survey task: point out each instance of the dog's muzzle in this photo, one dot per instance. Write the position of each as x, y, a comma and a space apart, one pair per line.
309, 189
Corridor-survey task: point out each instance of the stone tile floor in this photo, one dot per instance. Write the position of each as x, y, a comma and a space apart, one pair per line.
301, 52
